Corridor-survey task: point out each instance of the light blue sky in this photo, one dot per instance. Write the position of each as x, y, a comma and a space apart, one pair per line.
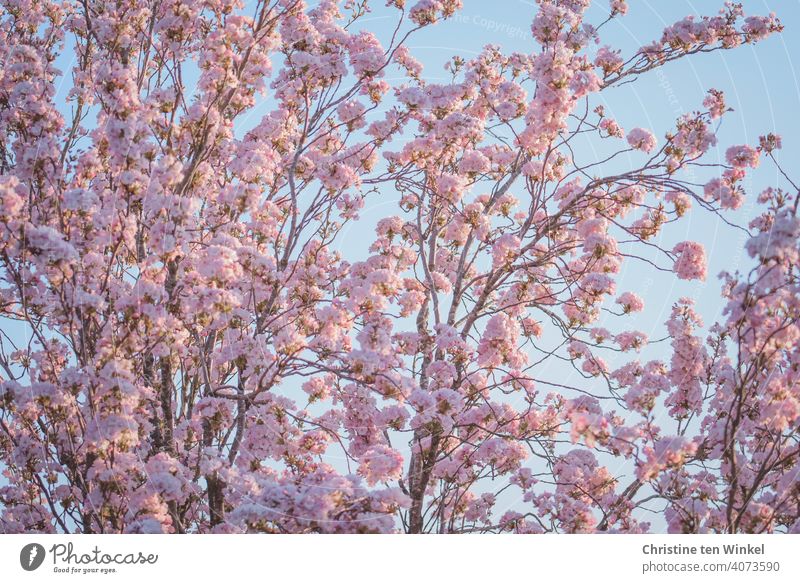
760, 83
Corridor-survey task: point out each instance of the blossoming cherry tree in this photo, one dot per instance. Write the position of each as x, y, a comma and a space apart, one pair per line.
194, 340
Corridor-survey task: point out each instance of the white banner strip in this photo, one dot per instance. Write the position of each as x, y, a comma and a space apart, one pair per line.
400, 558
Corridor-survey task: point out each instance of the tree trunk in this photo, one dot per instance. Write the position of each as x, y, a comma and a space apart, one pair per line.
215, 486
419, 473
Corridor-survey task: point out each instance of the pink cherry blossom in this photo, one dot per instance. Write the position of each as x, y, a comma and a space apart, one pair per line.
715, 103
641, 139
742, 156
690, 261
630, 302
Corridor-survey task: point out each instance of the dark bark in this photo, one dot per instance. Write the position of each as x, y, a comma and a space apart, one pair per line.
215, 486
419, 473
